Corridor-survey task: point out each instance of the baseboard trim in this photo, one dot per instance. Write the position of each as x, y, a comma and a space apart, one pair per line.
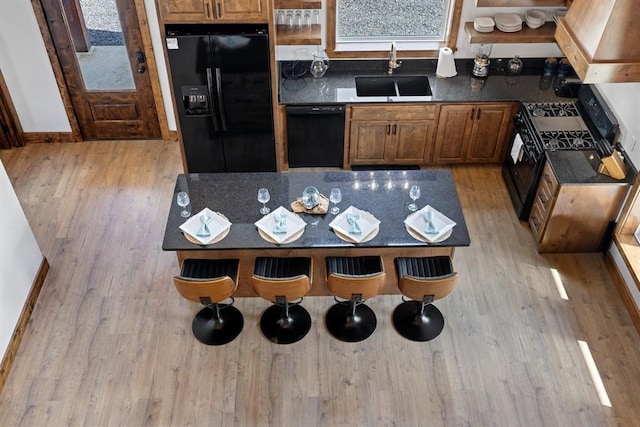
29, 304
620, 284
48, 137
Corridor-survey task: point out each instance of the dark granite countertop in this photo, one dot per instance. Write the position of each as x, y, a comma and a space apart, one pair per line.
580, 167
384, 194
338, 85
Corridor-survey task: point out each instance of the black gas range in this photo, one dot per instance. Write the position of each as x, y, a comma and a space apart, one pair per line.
586, 124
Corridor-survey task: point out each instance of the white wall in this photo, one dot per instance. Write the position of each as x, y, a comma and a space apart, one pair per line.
27, 71
20, 260
624, 100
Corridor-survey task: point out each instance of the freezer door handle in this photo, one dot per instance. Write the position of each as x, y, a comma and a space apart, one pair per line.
223, 120
214, 118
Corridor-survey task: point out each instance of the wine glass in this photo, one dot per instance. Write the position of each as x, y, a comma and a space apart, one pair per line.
414, 193
335, 197
264, 197
182, 199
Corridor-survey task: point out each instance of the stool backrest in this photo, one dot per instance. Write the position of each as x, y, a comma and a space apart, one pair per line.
417, 287
217, 289
345, 285
291, 288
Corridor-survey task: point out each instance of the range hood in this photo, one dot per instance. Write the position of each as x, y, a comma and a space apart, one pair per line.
600, 39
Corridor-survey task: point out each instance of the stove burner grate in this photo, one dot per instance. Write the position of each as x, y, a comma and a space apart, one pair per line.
552, 109
567, 140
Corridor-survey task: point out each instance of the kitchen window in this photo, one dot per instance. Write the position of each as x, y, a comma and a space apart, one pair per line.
366, 28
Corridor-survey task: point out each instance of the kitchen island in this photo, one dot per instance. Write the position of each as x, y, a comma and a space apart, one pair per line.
384, 194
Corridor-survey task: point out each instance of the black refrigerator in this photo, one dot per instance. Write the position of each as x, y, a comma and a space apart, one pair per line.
222, 84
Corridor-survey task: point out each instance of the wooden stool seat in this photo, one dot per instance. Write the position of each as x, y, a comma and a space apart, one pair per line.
281, 281
424, 280
355, 279
210, 282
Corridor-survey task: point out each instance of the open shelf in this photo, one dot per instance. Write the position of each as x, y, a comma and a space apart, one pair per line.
544, 34
297, 4
313, 37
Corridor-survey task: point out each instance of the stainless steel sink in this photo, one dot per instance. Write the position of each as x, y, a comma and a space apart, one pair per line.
392, 86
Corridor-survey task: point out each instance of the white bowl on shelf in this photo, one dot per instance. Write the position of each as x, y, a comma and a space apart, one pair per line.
535, 18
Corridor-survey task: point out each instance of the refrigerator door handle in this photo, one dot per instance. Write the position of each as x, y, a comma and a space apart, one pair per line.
223, 120
210, 89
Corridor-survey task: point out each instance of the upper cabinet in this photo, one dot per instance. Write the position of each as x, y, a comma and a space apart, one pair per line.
601, 40
203, 11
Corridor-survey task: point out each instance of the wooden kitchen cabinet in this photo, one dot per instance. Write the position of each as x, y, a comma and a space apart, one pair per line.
573, 217
198, 11
391, 134
473, 133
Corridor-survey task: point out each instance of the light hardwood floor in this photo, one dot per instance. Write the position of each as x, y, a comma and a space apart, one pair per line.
109, 341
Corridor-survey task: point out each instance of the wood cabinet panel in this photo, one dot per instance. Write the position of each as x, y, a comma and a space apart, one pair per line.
473, 133
573, 217
368, 142
209, 10
381, 134
413, 141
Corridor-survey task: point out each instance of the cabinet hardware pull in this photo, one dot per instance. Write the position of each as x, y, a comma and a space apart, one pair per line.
535, 223
473, 112
219, 10
542, 199
546, 178
208, 10
395, 127
479, 111
388, 129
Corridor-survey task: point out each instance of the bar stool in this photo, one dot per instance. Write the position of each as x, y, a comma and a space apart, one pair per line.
209, 282
281, 281
354, 279
424, 280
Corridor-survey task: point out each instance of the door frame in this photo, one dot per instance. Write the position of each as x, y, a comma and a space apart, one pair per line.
151, 65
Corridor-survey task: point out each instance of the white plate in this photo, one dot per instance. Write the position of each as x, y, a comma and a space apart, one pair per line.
218, 225
368, 224
418, 224
507, 20
267, 223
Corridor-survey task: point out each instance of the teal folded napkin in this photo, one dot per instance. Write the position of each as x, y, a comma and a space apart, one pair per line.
428, 217
352, 220
281, 223
204, 227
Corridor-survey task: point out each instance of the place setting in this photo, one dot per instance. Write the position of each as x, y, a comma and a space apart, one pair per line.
206, 227
354, 225
427, 224
280, 226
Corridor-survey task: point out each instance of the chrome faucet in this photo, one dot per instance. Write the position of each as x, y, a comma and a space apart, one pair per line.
393, 62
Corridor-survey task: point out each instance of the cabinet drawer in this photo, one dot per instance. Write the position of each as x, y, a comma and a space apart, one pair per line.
536, 221
395, 112
548, 180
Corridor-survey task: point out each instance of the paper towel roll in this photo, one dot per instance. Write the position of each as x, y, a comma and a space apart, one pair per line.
446, 65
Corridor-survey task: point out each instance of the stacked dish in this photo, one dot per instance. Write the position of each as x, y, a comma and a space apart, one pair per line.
483, 24
535, 18
206, 227
355, 226
429, 225
508, 22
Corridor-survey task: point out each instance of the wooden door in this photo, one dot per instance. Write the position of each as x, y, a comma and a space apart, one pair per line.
368, 141
186, 10
413, 142
491, 123
454, 131
126, 112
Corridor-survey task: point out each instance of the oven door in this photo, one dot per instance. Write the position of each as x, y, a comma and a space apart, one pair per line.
521, 176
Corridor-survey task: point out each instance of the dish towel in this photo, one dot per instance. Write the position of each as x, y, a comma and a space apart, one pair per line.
516, 149
281, 223
352, 220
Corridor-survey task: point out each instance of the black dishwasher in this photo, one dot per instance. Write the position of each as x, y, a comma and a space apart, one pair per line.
315, 135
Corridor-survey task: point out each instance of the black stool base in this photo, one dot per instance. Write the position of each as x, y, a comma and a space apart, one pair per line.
211, 331
345, 327
416, 326
281, 330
